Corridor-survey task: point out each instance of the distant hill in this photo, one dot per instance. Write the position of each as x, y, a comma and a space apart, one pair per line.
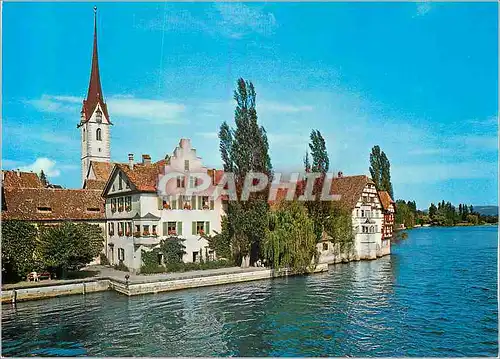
482, 210
486, 210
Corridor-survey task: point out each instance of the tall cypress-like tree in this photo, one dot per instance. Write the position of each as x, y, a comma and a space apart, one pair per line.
246, 149
319, 154
307, 164
380, 170
43, 178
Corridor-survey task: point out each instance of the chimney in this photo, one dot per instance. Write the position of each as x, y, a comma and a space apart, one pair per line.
146, 159
18, 172
131, 161
340, 174
184, 143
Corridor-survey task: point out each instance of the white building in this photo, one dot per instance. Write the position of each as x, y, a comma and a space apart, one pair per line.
360, 198
138, 218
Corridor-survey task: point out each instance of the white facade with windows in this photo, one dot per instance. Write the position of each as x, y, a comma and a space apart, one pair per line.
138, 218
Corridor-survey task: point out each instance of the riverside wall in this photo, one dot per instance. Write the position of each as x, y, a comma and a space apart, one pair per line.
145, 286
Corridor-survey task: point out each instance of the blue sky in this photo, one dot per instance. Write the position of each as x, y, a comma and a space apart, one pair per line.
420, 80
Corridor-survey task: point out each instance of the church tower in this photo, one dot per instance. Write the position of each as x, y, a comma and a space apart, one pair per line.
94, 119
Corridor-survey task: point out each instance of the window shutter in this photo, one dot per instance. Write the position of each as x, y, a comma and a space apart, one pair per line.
193, 228
165, 228
173, 205
211, 204
207, 228
181, 202
179, 228
160, 203
200, 202
193, 202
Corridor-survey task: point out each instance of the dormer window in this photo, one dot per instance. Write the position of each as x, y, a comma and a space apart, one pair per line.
98, 116
98, 135
44, 209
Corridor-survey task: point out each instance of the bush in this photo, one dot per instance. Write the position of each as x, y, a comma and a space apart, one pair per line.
104, 260
121, 266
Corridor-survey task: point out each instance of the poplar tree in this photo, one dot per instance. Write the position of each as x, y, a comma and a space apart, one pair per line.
319, 154
246, 149
380, 170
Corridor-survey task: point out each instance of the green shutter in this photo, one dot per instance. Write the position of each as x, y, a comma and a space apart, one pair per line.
211, 204
165, 228
200, 202
179, 228
173, 205
181, 202
193, 202
194, 228
160, 203
207, 228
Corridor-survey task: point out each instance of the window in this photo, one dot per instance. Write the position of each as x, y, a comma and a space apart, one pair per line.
145, 230
128, 203
325, 246
357, 213
372, 229
367, 214
111, 228
154, 230
83, 135
170, 229
128, 231
121, 254
120, 204
113, 205
186, 165
120, 182
211, 255
127, 184
205, 202
362, 213
99, 149
180, 182
113, 188
196, 257
364, 229
137, 228
192, 181
199, 228
121, 226
98, 134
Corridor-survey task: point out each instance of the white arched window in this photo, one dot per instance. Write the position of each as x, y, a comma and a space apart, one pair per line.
98, 134
83, 135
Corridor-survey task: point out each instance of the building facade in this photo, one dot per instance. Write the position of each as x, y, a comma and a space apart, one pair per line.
138, 218
389, 207
358, 197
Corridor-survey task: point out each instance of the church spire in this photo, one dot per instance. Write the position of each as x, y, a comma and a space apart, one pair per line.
94, 94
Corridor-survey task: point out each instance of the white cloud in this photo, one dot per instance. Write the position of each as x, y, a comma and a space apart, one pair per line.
42, 163
127, 106
207, 135
423, 8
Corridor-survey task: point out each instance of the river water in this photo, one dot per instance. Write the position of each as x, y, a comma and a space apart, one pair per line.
436, 295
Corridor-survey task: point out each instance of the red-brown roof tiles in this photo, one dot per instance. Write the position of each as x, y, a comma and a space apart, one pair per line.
21, 179
46, 204
385, 199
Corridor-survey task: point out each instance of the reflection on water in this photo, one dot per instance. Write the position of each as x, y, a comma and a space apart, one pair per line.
434, 296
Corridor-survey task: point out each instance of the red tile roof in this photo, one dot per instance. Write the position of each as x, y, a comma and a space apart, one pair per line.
350, 188
21, 180
47, 204
102, 170
143, 177
94, 184
385, 199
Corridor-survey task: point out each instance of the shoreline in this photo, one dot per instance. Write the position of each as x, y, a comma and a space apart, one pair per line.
143, 285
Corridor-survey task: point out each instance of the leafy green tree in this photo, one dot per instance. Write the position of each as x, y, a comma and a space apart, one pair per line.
173, 249
220, 243
432, 210
246, 149
380, 170
70, 246
338, 227
19, 243
319, 154
290, 241
43, 179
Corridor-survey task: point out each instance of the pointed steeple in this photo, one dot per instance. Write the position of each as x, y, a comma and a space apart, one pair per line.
94, 94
